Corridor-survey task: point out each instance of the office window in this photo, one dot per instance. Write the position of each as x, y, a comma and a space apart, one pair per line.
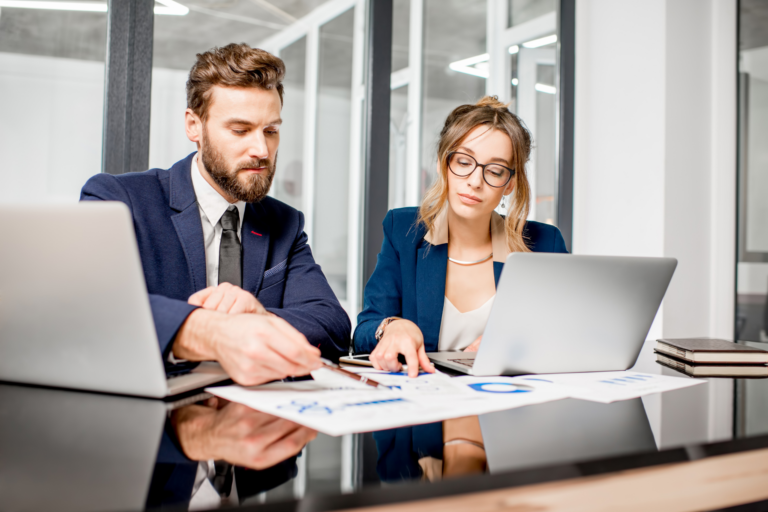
752, 270
520, 11
751, 323
51, 102
330, 224
289, 176
177, 39
399, 119
454, 37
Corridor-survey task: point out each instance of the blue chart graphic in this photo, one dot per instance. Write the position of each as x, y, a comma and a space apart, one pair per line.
315, 408
630, 379
498, 387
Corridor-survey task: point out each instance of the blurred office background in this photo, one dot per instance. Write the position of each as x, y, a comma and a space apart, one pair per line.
649, 121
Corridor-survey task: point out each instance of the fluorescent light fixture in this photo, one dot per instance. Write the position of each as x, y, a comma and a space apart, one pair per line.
546, 89
514, 49
541, 42
170, 8
56, 6
167, 7
515, 81
469, 65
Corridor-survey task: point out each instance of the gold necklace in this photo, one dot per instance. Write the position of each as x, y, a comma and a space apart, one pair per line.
470, 262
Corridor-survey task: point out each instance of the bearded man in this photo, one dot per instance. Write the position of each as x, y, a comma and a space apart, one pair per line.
229, 273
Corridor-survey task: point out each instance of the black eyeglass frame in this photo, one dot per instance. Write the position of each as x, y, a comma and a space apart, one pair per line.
477, 164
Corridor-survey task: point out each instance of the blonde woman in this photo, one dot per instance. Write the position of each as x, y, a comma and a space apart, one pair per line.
436, 275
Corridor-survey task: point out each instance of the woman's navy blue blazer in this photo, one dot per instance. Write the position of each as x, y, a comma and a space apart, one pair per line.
409, 279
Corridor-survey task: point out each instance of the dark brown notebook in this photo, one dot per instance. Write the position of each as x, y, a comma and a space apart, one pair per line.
711, 350
713, 370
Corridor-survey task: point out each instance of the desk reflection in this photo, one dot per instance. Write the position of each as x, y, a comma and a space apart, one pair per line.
527, 437
86, 452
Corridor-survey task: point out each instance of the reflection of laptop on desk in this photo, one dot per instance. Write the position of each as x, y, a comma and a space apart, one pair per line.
558, 313
74, 310
564, 431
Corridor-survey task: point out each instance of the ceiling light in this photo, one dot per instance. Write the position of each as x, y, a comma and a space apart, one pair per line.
167, 7
514, 49
541, 42
56, 6
547, 89
469, 67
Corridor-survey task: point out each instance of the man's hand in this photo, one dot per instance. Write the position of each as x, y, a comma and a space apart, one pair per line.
401, 337
252, 349
475, 345
227, 298
238, 434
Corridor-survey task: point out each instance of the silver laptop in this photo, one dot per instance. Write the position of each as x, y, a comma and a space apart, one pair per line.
557, 313
74, 310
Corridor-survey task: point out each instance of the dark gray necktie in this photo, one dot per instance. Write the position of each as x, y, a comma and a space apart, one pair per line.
230, 250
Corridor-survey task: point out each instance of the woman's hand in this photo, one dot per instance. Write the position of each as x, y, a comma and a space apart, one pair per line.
475, 345
401, 337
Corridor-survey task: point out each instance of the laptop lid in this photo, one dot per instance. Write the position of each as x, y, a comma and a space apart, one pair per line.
557, 313
74, 310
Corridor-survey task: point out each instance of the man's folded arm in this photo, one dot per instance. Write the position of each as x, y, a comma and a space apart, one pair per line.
310, 305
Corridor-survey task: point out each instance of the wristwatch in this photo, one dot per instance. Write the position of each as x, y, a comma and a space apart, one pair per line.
380, 331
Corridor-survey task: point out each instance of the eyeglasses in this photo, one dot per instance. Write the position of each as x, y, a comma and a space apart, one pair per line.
495, 175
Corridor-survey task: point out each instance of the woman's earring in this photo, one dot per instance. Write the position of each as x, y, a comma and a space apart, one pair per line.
503, 202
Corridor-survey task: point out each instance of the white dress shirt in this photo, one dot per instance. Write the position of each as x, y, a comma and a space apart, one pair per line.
212, 206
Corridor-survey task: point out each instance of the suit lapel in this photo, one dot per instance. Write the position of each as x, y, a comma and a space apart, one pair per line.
431, 265
187, 222
255, 240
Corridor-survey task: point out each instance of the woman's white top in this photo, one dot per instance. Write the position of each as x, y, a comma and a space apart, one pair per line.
458, 330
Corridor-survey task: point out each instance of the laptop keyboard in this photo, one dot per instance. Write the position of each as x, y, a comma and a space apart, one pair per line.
465, 362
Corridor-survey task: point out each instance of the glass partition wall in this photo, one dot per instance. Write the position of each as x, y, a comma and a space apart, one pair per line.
444, 53
51, 101
752, 233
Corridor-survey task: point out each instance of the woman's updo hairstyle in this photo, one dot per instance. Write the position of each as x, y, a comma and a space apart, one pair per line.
495, 114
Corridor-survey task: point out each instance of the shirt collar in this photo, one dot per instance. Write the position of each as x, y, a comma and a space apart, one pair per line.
210, 201
438, 235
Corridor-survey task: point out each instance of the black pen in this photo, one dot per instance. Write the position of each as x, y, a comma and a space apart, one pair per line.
360, 378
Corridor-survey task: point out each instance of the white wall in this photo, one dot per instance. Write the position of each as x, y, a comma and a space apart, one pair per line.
50, 126
654, 169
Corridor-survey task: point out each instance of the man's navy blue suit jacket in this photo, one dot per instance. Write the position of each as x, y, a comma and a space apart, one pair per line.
409, 278
278, 267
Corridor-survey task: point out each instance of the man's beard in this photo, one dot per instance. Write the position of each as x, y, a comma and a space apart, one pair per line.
250, 188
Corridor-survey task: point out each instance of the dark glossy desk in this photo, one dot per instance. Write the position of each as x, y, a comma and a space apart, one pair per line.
72, 451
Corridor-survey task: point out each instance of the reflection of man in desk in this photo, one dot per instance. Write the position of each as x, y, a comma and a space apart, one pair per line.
229, 272
262, 448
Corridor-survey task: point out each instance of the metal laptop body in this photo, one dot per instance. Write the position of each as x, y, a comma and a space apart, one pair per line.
74, 310
557, 313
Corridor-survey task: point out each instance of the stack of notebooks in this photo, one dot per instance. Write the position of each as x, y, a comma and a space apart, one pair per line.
708, 357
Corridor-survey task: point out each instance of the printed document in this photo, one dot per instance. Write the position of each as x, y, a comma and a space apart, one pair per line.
607, 387
337, 408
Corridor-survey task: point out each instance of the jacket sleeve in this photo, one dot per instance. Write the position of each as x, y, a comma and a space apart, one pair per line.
559, 243
168, 314
310, 305
383, 295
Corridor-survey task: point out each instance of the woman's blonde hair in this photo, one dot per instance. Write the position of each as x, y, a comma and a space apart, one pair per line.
489, 111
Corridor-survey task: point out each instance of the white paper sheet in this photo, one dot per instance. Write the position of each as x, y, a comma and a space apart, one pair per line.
607, 387
345, 411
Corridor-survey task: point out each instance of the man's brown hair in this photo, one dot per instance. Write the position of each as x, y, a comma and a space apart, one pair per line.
234, 65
